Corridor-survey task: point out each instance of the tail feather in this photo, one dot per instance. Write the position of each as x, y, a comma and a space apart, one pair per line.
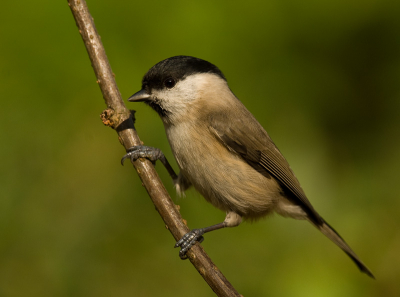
329, 232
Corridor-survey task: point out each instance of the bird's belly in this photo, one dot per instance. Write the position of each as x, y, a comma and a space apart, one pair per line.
225, 179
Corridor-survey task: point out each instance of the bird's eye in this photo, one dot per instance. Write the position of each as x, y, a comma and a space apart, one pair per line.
169, 83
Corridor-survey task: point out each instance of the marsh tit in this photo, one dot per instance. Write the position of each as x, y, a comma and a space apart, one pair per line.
222, 150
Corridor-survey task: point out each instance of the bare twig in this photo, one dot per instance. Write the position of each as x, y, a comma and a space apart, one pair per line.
121, 119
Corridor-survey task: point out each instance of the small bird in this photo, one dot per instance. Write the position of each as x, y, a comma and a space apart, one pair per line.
222, 150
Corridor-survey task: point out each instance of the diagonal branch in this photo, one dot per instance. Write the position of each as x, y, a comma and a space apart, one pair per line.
121, 119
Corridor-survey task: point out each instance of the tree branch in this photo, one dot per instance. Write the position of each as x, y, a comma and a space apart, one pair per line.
121, 119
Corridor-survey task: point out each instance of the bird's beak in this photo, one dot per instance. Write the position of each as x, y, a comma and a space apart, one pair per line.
142, 95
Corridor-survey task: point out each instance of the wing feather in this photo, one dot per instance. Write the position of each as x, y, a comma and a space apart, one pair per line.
248, 139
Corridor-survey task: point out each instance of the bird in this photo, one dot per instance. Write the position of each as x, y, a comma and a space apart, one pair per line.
222, 151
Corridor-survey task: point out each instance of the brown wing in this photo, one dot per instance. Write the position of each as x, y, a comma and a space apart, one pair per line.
244, 136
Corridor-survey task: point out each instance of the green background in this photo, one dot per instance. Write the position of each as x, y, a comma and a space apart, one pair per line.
321, 76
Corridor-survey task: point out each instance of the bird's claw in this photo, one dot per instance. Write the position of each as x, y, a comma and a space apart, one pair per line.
142, 151
188, 240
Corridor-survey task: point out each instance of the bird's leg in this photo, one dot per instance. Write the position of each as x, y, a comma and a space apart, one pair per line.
190, 238
151, 153
232, 219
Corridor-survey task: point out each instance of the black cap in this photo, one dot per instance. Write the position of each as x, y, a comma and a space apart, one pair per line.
178, 68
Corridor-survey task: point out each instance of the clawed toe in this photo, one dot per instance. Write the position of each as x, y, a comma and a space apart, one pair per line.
124, 158
141, 151
131, 154
188, 240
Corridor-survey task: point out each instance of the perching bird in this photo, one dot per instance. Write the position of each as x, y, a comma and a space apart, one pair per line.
222, 150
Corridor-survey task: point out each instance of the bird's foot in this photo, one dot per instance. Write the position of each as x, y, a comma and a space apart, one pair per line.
188, 240
142, 151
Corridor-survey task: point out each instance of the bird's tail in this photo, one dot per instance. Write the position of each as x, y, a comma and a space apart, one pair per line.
338, 240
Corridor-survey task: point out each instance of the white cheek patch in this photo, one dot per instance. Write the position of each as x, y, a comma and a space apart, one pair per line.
179, 98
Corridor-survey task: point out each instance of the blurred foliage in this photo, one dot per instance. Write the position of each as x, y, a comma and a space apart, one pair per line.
321, 76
